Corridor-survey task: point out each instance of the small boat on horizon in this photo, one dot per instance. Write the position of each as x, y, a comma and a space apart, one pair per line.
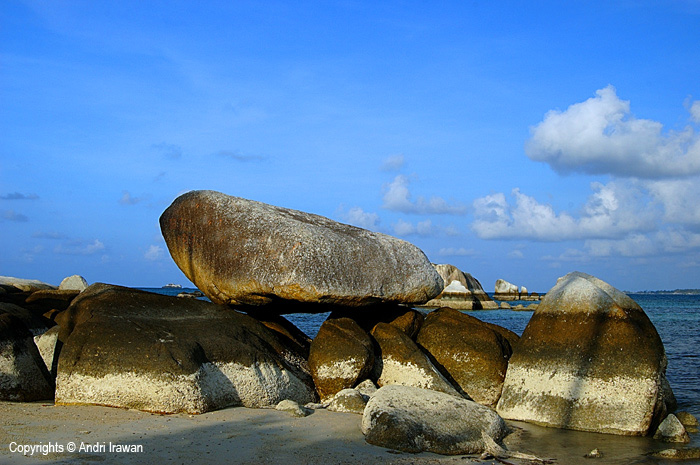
172, 286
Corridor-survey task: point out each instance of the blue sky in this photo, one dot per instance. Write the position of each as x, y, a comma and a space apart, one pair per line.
515, 140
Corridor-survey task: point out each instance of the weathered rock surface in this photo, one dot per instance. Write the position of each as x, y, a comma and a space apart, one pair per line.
298, 339
402, 362
293, 408
49, 348
589, 359
672, 430
36, 324
348, 401
73, 283
28, 285
23, 375
406, 319
341, 355
473, 353
416, 420
239, 251
505, 290
689, 453
134, 349
462, 291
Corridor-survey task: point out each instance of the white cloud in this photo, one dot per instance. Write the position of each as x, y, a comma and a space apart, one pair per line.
612, 211
601, 136
695, 111
356, 216
398, 198
679, 198
393, 163
128, 199
456, 252
154, 253
517, 254
422, 228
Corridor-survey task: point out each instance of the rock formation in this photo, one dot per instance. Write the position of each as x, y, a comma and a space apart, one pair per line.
462, 291
23, 374
239, 251
589, 359
134, 349
473, 353
400, 361
341, 355
415, 420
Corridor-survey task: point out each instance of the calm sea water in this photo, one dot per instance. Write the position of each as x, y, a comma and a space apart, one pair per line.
676, 318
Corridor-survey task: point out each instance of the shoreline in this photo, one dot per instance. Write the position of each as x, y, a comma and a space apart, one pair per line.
252, 436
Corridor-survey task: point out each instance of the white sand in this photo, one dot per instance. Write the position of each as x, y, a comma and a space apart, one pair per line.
264, 436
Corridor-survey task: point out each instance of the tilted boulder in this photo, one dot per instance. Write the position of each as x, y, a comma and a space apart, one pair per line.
402, 362
73, 283
589, 359
473, 353
341, 355
414, 420
462, 291
239, 251
135, 349
23, 374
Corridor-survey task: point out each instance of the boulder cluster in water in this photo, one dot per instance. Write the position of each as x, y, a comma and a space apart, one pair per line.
589, 359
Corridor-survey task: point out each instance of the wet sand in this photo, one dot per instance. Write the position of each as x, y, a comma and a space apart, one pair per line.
261, 436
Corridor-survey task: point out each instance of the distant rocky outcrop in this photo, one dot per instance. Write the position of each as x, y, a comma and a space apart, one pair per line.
462, 291
589, 359
474, 354
509, 291
27, 285
414, 420
239, 251
134, 349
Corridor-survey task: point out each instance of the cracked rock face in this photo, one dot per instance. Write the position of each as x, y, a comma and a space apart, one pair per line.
589, 359
239, 251
135, 349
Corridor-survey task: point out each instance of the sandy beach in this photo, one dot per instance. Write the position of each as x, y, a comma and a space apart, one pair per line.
254, 436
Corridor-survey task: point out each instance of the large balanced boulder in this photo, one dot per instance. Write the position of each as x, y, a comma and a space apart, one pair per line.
400, 361
134, 349
23, 374
240, 251
473, 353
462, 291
415, 420
589, 359
341, 355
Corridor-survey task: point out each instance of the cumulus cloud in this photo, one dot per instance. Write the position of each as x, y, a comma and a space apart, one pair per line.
356, 216
18, 196
154, 253
398, 198
393, 163
80, 247
422, 228
11, 215
611, 211
679, 199
601, 136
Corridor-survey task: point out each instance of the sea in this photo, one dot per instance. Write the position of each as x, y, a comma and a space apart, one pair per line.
677, 320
